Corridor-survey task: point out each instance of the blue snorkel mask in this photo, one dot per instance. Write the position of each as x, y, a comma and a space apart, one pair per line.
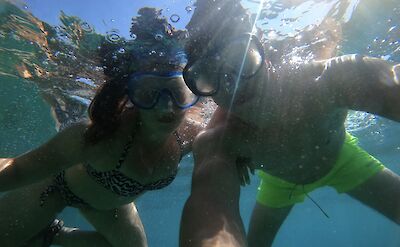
152, 62
161, 76
146, 88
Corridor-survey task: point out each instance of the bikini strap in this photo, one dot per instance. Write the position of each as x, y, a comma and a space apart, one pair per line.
127, 147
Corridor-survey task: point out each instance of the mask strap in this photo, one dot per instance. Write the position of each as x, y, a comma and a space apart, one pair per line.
164, 74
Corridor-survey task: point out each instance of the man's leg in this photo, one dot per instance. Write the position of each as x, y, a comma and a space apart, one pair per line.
265, 223
382, 193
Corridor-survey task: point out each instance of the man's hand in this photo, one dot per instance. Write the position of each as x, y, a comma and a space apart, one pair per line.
244, 166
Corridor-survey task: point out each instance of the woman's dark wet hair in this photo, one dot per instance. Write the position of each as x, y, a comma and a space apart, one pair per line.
109, 102
123, 57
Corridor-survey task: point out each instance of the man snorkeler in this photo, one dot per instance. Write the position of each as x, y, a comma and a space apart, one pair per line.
287, 122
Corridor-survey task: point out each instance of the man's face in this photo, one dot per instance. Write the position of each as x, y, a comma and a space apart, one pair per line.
219, 52
227, 71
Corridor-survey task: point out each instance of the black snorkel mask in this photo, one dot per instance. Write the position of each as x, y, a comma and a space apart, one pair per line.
242, 57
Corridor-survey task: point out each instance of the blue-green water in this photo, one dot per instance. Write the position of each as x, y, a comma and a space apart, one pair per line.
368, 27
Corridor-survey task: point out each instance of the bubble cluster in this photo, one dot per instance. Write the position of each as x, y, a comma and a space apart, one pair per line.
387, 46
357, 120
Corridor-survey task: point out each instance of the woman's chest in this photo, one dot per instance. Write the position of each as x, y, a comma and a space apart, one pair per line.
102, 184
135, 160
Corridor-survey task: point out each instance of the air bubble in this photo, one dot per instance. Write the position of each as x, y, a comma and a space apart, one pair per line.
113, 36
175, 18
188, 9
86, 27
391, 29
158, 36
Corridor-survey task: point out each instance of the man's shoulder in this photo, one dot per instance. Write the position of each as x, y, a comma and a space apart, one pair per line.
209, 135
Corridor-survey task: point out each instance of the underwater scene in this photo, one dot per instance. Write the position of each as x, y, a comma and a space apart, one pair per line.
200, 123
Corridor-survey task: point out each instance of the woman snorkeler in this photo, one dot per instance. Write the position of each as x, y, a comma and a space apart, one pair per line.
139, 129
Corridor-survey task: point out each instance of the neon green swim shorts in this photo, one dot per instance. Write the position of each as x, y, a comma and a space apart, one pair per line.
353, 166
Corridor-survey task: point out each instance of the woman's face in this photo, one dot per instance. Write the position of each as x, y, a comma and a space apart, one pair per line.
166, 121
165, 112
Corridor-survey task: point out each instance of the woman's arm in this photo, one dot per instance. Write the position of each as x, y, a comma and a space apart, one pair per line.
62, 151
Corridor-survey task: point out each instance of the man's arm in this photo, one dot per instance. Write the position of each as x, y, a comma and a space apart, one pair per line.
364, 83
195, 121
211, 215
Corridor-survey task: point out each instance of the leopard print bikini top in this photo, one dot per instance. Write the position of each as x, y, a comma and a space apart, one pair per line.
115, 181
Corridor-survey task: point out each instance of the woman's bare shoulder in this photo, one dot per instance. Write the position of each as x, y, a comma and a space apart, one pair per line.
71, 138
75, 130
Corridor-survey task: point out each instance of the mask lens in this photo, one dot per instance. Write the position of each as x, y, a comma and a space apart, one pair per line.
201, 79
242, 57
144, 97
183, 97
145, 90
